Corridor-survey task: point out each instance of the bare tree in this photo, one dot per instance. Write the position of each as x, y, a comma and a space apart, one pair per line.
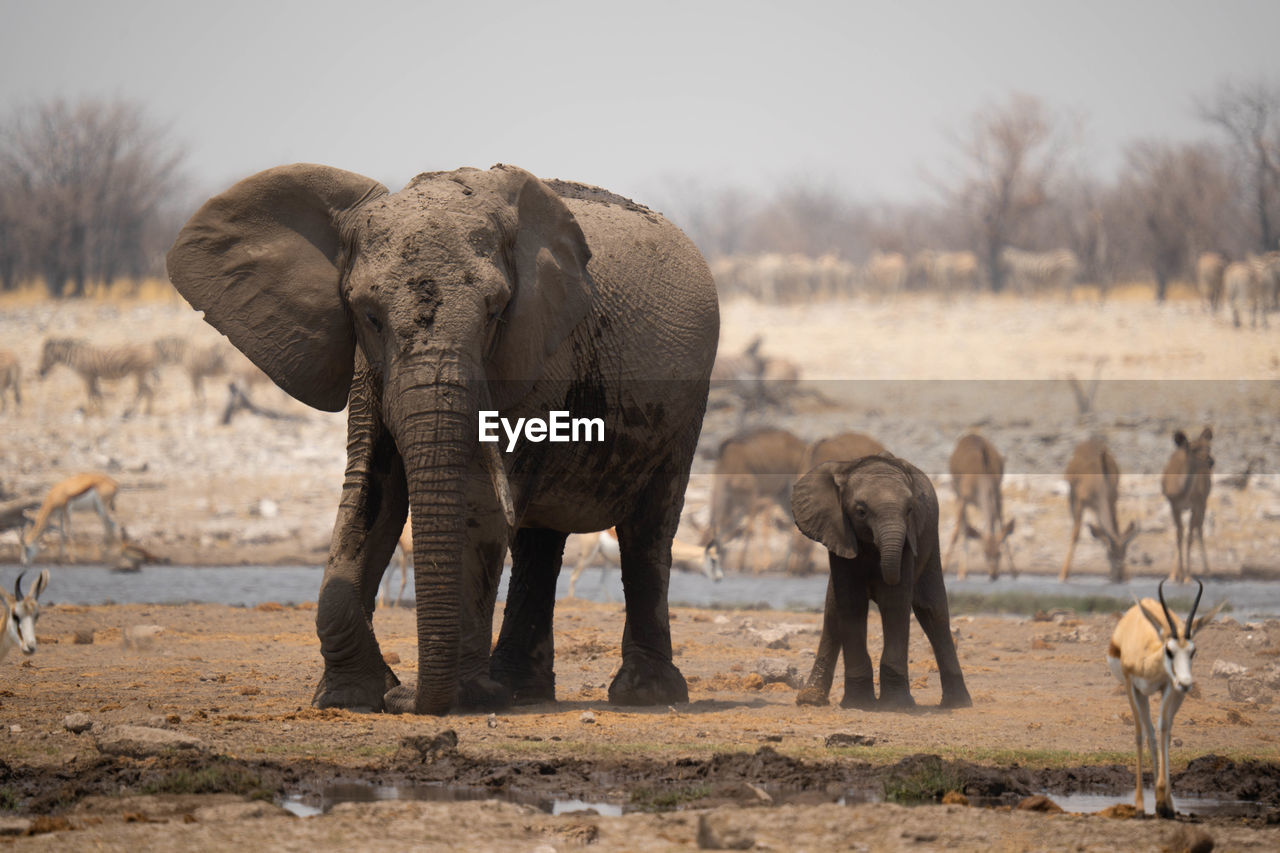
1180, 194
83, 189
1249, 114
1011, 157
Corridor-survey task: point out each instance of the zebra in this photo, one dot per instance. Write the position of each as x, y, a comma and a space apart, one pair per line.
10, 378
1209, 269
97, 363
1032, 272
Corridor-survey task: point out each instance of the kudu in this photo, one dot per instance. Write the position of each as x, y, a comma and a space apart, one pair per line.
751, 467
977, 471
1186, 483
1094, 480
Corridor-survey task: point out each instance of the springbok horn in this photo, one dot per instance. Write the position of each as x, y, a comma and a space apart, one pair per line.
17, 587
1192, 617
1167, 615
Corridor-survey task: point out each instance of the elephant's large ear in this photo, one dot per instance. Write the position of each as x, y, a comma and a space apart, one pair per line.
815, 503
551, 291
261, 261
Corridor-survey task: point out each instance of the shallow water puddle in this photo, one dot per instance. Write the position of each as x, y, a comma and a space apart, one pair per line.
359, 792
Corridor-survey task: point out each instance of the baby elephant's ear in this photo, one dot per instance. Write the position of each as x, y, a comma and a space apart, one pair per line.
815, 503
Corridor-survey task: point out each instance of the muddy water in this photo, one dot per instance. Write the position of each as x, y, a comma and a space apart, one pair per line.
363, 792
249, 586
360, 792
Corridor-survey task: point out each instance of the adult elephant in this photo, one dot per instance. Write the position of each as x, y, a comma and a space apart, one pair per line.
472, 290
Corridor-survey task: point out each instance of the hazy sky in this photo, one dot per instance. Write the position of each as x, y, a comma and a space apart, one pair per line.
643, 98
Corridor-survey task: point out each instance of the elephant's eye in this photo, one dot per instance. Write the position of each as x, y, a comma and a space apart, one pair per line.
373, 321
860, 511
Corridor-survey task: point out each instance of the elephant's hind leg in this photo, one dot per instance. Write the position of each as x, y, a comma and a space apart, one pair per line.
524, 659
648, 676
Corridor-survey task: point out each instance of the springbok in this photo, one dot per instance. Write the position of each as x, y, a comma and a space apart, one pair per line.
10, 379
18, 615
1094, 480
403, 553
93, 490
1186, 483
1151, 652
605, 543
977, 469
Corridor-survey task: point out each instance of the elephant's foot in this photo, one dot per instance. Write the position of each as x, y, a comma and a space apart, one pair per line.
645, 680
955, 695
812, 696
362, 693
401, 699
859, 693
521, 685
483, 694
895, 696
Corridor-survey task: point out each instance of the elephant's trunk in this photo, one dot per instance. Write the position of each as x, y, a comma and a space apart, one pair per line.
889, 541
434, 418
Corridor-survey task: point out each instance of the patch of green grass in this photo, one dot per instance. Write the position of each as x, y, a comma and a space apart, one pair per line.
925, 783
219, 778
665, 799
9, 799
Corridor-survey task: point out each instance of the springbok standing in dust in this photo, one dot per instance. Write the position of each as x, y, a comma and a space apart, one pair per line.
1186, 483
18, 615
977, 470
92, 490
1209, 269
1151, 652
1094, 480
403, 553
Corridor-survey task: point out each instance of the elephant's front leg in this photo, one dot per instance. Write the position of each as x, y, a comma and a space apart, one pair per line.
648, 676
524, 659
895, 617
371, 514
818, 686
852, 601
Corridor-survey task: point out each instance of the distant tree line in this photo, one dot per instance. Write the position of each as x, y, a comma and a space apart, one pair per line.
1015, 180
87, 195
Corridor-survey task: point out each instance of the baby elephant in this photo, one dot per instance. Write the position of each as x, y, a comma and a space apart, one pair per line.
878, 517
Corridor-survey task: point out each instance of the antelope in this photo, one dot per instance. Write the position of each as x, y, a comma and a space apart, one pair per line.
18, 615
1094, 479
976, 471
1151, 652
761, 463
1185, 484
93, 490
10, 379
605, 542
403, 553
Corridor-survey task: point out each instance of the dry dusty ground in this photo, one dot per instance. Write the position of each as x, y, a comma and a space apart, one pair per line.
264, 491
1047, 716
